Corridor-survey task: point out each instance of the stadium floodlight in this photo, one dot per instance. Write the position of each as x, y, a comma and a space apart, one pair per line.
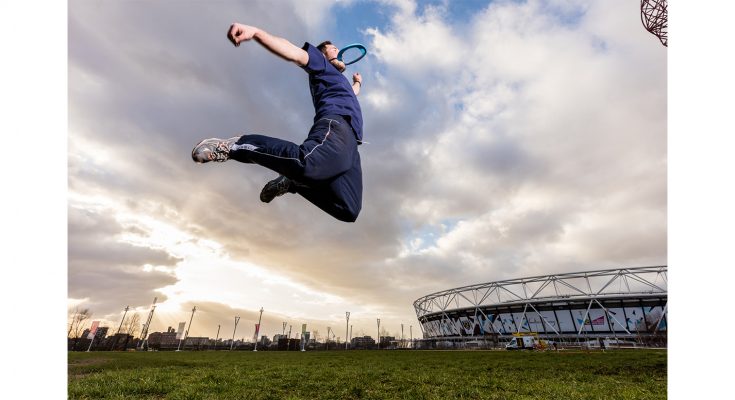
237, 319
257, 329
147, 325
378, 333
122, 320
186, 334
347, 329
217, 338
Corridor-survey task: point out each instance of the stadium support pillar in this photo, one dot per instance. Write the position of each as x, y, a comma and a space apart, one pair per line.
663, 313
523, 317
543, 319
584, 320
613, 317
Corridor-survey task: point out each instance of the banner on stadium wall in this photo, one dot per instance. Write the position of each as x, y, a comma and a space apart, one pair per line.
597, 321
93, 329
180, 331
467, 325
635, 319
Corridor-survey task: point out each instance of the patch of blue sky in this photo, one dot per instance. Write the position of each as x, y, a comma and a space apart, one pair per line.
459, 12
565, 14
421, 238
455, 10
353, 19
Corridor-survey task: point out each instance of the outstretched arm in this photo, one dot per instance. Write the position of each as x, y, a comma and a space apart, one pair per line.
281, 47
356, 83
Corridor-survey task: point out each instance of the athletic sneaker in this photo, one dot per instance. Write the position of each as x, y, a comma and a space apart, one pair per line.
275, 188
212, 150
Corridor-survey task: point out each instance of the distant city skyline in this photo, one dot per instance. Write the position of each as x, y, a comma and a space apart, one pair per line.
274, 326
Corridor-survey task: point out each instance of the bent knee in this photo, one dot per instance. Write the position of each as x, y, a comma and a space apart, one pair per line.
348, 215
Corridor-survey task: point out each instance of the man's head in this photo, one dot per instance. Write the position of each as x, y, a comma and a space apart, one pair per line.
330, 52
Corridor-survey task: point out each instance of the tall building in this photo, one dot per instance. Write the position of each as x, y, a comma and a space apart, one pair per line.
101, 332
364, 342
163, 340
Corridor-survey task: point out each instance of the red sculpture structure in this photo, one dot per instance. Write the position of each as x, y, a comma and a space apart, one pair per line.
654, 18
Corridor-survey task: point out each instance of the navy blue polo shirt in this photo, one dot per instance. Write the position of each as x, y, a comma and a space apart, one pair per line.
331, 92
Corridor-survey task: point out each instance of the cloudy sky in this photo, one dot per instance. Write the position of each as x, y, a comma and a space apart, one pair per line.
506, 139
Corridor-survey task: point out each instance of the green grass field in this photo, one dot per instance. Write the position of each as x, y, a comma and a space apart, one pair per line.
622, 374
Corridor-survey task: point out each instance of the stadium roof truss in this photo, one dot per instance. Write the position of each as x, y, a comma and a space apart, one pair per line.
590, 287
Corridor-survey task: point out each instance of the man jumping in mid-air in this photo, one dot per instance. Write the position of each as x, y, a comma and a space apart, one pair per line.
325, 168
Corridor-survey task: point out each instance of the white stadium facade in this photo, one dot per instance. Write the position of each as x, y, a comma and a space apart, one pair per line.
626, 304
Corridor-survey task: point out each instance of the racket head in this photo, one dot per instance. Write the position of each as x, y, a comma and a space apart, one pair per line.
352, 53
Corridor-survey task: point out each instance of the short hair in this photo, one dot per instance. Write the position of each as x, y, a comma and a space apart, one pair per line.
323, 45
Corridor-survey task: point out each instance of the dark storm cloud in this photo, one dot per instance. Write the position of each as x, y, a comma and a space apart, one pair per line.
109, 272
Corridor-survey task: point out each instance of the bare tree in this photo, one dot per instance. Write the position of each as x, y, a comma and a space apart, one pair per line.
131, 325
73, 319
78, 317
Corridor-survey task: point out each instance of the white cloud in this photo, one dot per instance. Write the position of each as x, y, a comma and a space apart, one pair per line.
417, 44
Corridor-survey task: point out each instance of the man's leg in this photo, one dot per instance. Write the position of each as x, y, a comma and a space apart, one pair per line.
282, 156
276, 154
329, 149
327, 152
341, 197
325, 168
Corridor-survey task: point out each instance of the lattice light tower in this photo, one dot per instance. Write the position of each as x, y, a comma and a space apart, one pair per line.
654, 16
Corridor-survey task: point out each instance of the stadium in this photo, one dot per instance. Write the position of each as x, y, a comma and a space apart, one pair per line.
627, 305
